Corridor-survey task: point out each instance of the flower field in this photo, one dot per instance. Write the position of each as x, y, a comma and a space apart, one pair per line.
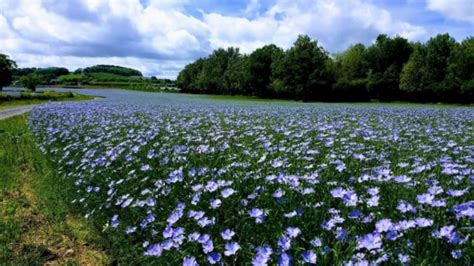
203, 183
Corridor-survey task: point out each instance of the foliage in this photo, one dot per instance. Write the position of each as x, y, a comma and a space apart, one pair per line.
30, 81
72, 78
259, 66
47, 75
391, 69
7, 67
350, 64
427, 74
117, 70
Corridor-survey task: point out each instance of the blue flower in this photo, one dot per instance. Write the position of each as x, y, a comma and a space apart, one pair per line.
190, 261
214, 258
284, 259
309, 256
227, 234
115, 222
231, 248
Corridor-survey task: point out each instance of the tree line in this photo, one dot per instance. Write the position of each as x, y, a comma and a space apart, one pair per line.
391, 69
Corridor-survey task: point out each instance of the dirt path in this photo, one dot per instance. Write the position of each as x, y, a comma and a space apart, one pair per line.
6, 113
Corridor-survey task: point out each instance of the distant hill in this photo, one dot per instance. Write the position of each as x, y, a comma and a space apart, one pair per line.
117, 70
98, 75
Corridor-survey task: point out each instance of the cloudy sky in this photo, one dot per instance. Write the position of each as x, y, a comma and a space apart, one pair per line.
159, 37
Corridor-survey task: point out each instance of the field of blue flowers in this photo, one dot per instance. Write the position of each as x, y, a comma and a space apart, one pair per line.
204, 183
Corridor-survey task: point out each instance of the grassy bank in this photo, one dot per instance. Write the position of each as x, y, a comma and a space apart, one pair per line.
36, 226
26, 98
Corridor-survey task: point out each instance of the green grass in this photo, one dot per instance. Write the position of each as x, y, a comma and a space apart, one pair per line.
36, 225
8, 101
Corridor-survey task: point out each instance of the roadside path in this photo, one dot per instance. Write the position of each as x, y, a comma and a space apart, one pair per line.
6, 113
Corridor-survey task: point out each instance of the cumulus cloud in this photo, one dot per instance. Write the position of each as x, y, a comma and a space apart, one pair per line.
161, 36
461, 10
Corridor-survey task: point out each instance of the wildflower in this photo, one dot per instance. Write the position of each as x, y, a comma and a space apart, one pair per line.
214, 258
456, 254
216, 203
154, 250
370, 241
284, 259
278, 193
258, 214
262, 256
231, 248
115, 222
208, 246
423, 222
309, 256
145, 168
227, 192
227, 234
130, 230
403, 258
355, 214
350, 198
284, 243
317, 242
426, 198
190, 261
383, 225
292, 232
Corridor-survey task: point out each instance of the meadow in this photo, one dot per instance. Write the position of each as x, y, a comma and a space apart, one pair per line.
186, 179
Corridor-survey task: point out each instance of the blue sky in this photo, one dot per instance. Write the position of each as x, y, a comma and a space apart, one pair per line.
159, 37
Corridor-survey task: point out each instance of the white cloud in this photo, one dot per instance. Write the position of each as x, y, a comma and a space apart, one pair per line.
461, 10
162, 35
335, 24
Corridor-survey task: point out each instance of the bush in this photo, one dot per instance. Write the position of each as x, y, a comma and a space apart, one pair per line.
30, 81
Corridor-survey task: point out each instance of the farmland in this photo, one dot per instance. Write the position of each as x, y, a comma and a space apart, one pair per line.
175, 179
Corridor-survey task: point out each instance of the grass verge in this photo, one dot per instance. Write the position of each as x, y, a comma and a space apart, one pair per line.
36, 225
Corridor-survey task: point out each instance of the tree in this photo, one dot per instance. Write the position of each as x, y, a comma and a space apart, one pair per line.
237, 78
350, 64
351, 75
460, 76
260, 69
413, 76
425, 76
117, 70
384, 61
30, 81
7, 67
211, 79
187, 79
302, 68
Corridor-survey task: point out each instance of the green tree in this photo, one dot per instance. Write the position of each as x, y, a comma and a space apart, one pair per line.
211, 79
260, 69
414, 74
350, 64
237, 78
460, 77
7, 67
187, 79
30, 81
384, 61
351, 75
425, 76
302, 69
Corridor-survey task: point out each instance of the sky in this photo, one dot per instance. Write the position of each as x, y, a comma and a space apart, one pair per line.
159, 37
